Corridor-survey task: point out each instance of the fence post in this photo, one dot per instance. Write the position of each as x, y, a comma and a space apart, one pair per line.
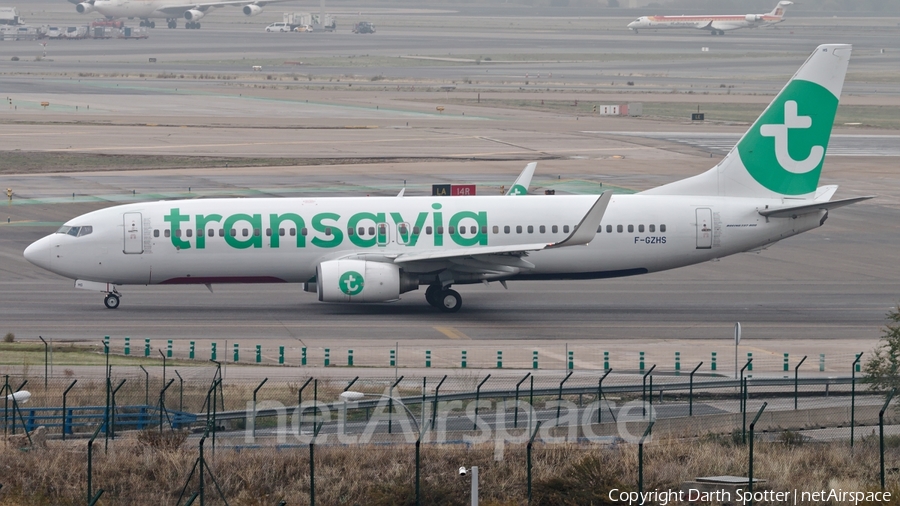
528, 456
644, 392
854, 368
67, 422
191, 350
237, 353
559, 399
571, 360
691, 391
281, 355
821, 362
641, 456
350, 357
427, 358
303, 356
516, 409
534, 359
169, 349
600, 396
642, 362
327, 357
605, 360
258, 353
477, 396
147, 347
752, 426
127, 346
881, 432
677, 362
797, 379
499, 359
463, 359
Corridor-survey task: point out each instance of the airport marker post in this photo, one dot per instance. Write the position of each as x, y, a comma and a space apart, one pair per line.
281, 355
605, 360
191, 351
499, 359
642, 362
463, 359
169, 349
821, 362
237, 353
147, 347
677, 362
258, 353
212, 352
427, 358
712, 365
303, 356
571, 360
327, 357
786, 362
350, 358
534, 360
393, 358
127, 346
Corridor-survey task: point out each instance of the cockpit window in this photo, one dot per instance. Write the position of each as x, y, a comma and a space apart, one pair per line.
75, 231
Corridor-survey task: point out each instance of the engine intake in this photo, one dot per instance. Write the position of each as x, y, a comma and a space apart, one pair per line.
84, 8
193, 15
252, 10
362, 281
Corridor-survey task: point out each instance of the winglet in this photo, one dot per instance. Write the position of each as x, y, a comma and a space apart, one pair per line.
586, 230
520, 187
402, 191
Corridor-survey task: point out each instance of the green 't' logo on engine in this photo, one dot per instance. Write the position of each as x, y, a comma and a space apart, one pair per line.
785, 148
351, 283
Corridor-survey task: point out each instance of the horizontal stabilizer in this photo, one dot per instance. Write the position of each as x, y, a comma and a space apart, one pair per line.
794, 211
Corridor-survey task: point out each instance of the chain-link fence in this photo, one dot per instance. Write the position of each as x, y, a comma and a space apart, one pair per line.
466, 417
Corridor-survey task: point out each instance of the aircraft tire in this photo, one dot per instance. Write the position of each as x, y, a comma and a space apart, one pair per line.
111, 302
141, 23
449, 301
431, 295
153, 24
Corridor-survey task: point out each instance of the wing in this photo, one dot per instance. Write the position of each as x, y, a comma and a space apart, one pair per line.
482, 263
178, 10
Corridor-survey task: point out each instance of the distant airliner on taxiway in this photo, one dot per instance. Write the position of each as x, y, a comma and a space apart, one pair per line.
716, 25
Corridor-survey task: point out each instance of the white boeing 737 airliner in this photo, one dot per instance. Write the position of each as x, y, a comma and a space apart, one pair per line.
374, 249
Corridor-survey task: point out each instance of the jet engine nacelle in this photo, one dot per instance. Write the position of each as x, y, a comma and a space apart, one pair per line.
193, 15
84, 7
753, 17
252, 10
362, 281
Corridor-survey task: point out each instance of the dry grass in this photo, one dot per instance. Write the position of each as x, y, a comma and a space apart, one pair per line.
137, 473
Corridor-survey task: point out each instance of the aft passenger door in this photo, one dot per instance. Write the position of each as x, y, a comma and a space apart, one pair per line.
134, 234
704, 228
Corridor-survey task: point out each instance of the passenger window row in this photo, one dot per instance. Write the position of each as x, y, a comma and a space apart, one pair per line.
640, 228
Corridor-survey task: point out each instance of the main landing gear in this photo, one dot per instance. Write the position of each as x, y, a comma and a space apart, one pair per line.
192, 25
148, 23
443, 298
172, 22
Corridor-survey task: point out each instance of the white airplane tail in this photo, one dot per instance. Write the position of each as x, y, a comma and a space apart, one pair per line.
783, 152
779, 9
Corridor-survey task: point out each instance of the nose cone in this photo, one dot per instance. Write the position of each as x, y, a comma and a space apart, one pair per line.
632, 24
38, 253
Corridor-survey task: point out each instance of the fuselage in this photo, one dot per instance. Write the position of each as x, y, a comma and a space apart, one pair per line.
133, 8
283, 240
712, 23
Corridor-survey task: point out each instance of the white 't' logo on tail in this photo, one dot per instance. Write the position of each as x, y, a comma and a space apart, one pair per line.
780, 133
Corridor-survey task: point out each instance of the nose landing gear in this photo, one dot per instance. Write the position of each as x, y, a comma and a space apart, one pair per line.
111, 301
